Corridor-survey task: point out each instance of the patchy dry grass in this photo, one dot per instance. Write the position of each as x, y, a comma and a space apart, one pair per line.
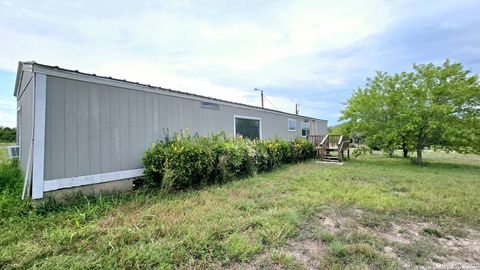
336, 237
370, 213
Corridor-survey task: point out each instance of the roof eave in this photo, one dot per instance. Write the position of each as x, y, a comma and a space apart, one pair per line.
18, 79
22, 66
42, 68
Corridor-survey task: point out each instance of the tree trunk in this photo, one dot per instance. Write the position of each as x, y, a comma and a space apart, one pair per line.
405, 150
419, 155
420, 146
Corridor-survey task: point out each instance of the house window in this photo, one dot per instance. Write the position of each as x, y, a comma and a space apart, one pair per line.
305, 129
292, 125
248, 127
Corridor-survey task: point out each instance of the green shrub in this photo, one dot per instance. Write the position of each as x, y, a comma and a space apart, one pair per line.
184, 161
234, 158
362, 150
302, 149
189, 161
153, 160
286, 150
267, 155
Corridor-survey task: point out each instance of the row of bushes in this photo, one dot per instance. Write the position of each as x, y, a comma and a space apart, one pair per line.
184, 161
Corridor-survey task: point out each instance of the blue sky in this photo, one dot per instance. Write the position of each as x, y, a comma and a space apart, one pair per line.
314, 53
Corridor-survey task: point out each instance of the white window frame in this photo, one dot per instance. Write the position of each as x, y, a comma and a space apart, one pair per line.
301, 128
250, 118
288, 125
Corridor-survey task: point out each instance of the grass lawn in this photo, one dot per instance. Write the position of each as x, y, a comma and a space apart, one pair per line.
373, 212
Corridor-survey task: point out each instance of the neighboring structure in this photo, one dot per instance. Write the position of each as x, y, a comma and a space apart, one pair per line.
77, 129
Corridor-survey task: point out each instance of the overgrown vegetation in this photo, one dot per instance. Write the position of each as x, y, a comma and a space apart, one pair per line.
184, 161
10, 189
361, 150
233, 223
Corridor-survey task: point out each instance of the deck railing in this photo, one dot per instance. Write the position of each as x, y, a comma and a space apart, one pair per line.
316, 138
323, 143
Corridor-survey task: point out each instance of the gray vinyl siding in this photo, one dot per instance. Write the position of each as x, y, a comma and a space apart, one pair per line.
93, 128
25, 118
322, 128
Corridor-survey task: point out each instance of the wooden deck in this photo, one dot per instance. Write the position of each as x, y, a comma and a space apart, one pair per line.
331, 148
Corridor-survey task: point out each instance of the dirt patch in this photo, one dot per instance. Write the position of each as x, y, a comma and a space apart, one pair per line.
367, 239
334, 220
414, 243
307, 252
460, 251
259, 262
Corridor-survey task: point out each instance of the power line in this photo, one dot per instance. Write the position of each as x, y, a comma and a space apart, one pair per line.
270, 103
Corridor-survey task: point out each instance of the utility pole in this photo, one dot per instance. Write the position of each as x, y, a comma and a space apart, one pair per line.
296, 108
261, 94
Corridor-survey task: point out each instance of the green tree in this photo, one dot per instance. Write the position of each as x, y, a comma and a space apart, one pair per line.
7, 134
435, 106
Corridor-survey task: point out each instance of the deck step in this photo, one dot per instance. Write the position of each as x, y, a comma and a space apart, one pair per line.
329, 162
331, 159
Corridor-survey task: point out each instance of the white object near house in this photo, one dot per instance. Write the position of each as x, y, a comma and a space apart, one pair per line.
77, 129
13, 151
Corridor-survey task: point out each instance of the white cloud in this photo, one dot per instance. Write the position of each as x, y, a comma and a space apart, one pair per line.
214, 48
7, 119
7, 112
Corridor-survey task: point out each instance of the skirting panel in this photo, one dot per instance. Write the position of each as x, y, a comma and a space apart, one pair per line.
50, 185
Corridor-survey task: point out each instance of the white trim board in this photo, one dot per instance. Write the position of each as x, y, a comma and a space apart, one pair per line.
55, 184
39, 100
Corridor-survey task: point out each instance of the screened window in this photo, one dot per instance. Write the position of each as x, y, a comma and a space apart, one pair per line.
305, 129
292, 125
248, 128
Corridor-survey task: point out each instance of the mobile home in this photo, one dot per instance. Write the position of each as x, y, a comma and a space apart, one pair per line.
81, 130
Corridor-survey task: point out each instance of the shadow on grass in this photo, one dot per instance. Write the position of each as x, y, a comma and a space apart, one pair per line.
449, 166
403, 163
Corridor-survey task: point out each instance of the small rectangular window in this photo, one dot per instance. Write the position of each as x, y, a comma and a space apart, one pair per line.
305, 129
292, 125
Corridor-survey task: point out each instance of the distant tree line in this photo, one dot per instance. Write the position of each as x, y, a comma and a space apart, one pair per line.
8, 134
432, 106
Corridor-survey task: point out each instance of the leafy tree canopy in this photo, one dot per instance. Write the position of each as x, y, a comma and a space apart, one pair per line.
433, 105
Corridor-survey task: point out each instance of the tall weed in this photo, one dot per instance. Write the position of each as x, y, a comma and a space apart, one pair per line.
11, 181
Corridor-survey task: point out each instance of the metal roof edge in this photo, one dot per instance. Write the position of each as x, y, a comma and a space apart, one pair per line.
22, 66
18, 78
157, 88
